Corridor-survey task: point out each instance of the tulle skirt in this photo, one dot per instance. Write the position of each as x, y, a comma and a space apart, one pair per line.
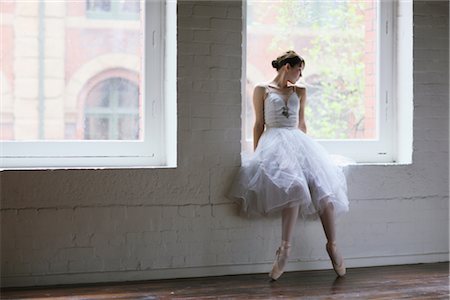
289, 168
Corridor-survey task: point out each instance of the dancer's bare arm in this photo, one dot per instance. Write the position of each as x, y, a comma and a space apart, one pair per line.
258, 106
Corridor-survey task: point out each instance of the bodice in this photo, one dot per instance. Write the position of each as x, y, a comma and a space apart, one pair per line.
281, 110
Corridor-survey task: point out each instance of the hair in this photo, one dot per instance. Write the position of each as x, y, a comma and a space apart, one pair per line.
289, 57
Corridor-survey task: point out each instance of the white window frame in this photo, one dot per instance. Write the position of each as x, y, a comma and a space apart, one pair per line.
382, 149
159, 65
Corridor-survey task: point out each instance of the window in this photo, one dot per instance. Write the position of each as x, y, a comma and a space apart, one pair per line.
350, 66
82, 95
111, 111
113, 9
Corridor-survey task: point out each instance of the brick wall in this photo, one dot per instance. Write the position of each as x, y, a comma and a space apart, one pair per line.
73, 226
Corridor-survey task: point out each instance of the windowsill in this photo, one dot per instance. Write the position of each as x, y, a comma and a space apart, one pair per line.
87, 163
368, 164
51, 168
86, 168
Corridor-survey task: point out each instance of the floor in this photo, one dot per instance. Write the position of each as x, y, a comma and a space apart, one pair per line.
419, 281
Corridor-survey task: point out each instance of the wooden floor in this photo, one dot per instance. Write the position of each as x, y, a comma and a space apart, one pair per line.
420, 281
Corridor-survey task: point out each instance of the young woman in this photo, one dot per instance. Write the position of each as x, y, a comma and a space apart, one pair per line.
289, 171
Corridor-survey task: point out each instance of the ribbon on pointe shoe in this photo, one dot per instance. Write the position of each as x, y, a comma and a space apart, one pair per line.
282, 255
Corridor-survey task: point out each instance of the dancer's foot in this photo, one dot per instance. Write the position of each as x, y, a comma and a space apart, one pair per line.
336, 259
282, 255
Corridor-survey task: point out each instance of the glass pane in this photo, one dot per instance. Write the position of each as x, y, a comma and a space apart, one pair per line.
70, 131
6, 132
99, 5
128, 95
99, 96
96, 128
130, 6
338, 40
58, 72
127, 128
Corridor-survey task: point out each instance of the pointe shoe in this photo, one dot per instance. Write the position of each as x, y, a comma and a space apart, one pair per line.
334, 256
280, 261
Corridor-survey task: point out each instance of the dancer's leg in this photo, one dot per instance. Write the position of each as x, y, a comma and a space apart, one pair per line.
288, 219
327, 218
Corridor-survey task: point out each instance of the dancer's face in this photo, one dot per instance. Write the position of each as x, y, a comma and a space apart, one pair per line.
294, 73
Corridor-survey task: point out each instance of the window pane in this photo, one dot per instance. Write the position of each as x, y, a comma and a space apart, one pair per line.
128, 94
98, 5
61, 67
113, 98
338, 40
127, 128
130, 6
96, 128
98, 96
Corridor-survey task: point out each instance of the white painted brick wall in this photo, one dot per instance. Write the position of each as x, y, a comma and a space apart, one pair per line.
73, 226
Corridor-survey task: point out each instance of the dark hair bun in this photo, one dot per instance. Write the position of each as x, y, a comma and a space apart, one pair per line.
275, 64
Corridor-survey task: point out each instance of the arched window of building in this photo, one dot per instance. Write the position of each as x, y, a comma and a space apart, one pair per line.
108, 9
111, 111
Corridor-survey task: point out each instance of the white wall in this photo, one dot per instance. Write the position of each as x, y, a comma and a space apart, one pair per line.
73, 226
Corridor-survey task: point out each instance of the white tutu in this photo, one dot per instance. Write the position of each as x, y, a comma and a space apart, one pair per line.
289, 168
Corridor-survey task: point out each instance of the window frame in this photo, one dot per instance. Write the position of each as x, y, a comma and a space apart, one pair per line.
379, 150
148, 152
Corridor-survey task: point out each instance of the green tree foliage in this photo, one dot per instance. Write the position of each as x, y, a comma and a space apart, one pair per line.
336, 89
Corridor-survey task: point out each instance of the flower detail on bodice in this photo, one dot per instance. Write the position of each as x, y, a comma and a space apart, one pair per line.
280, 110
